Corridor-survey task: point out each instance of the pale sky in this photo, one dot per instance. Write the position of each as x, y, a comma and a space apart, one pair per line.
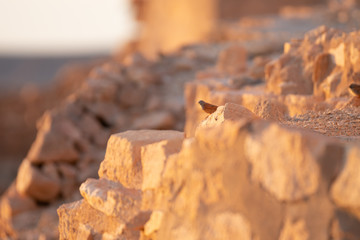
62, 27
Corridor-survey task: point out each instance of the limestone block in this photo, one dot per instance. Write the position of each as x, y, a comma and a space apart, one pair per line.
153, 159
36, 183
85, 232
228, 225
104, 112
286, 76
338, 54
229, 112
123, 156
111, 198
79, 219
13, 203
322, 68
345, 191
154, 222
284, 161
54, 141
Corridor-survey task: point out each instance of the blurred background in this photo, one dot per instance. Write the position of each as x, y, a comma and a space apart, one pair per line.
48, 47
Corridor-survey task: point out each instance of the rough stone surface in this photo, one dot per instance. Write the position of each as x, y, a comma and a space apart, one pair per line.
284, 162
111, 198
294, 230
55, 141
228, 112
345, 189
15, 203
123, 156
34, 182
153, 159
154, 223
229, 225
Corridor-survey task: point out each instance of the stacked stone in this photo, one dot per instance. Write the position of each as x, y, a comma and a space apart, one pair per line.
238, 178
114, 206
71, 138
324, 63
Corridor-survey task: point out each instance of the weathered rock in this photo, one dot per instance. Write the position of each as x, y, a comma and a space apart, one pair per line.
289, 175
123, 156
73, 215
153, 159
68, 179
154, 223
271, 109
345, 189
294, 230
228, 225
229, 112
112, 198
54, 141
36, 183
14, 203
285, 76
80, 219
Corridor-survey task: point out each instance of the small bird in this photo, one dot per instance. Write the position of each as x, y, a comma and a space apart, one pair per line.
355, 88
207, 107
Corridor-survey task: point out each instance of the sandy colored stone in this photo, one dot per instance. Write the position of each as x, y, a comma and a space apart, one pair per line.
84, 232
338, 54
104, 112
228, 112
111, 198
68, 179
345, 190
99, 90
285, 76
295, 230
13, 203
232, 60
284, 161
73, 215
271, 109
123, 156
322, 68
37, 184
54, 141
228, 225
191, 200
153, 159
155, 120
93, 131
154, 222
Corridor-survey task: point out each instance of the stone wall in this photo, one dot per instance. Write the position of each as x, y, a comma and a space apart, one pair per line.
223, 176
231, 181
